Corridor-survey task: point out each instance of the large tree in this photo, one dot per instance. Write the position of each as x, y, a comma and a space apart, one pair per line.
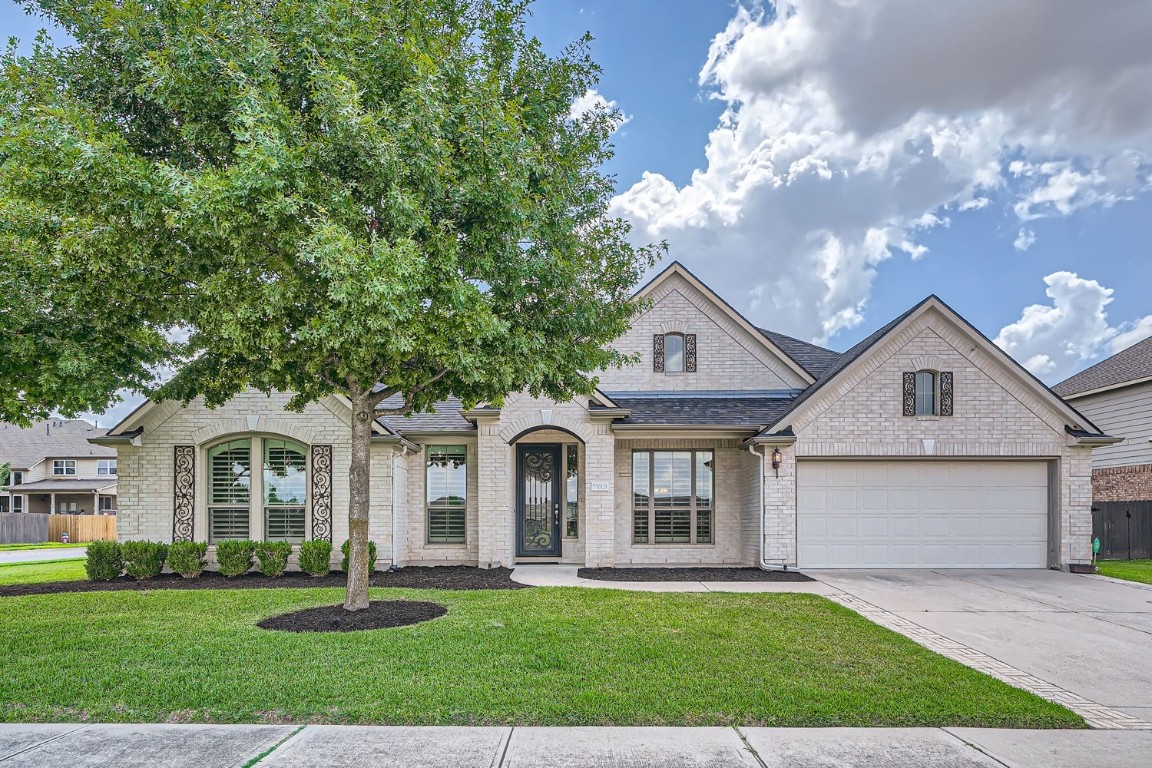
363, 197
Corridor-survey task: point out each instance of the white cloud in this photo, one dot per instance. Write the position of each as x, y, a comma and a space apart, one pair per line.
1053, 341
593, 101
1025, 238
852, 128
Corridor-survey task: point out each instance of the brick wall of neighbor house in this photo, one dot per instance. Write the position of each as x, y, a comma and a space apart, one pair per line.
1132, 483
727, 356
417, 550
145, 480
995, 415
735, 507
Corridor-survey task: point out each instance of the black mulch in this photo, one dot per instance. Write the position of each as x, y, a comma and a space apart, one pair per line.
380, 614
689, 574
453, 577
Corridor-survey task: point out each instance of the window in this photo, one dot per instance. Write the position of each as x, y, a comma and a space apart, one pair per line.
16, 478
64, 466
285, 490
672, 497
229, 490
673, 353
925, 393
572, 494
17, 504
105, 504
106, 467
446, 492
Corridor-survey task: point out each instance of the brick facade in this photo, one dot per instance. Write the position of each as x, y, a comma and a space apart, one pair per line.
1133, 483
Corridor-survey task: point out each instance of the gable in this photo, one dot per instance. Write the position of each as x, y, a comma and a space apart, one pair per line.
997, 408
728, 356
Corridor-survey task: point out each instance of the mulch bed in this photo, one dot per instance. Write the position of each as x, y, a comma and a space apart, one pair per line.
689, 574
380, 614
453, 577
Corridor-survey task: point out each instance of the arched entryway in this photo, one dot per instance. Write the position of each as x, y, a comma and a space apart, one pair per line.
548, 483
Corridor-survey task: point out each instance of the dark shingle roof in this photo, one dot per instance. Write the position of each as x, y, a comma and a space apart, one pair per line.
812, 358
751, 412
1124, 366
445, 418
55, 438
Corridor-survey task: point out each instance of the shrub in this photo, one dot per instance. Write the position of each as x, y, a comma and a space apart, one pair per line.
143, 559
188, 558
235, 557
315, 557
273, 557
371, 556
103, 563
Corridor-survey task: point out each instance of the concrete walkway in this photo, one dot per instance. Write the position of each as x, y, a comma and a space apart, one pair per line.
15, 556
565, 576
280, 746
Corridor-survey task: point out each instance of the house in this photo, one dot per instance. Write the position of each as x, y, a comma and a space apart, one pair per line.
1117, 395
924, 445
53, 468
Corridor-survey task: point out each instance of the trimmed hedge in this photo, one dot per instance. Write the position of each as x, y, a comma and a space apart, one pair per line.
103, 563
188, 558
371, 556
273, 557
316, 557
143, 559
234, 557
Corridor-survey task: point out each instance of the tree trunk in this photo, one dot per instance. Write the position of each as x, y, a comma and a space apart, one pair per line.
359, 488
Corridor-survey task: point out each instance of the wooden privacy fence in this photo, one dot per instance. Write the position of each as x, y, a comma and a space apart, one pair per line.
23, 529
82, 527
1124, 529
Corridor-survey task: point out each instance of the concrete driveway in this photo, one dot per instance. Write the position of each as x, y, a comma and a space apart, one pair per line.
1088, 635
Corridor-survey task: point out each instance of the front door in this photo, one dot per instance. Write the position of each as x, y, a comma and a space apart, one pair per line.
538, 473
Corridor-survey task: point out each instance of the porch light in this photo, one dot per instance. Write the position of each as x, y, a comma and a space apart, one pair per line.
776, 458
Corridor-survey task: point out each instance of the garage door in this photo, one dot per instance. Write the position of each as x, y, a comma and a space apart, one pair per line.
922, 514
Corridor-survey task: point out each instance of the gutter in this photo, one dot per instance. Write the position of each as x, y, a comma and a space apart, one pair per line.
760, 561
124, 438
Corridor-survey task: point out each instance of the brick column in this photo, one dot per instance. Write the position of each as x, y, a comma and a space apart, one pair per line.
780, 507
496, 516
599, 504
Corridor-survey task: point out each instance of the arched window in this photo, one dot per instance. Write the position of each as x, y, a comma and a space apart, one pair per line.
926, 393
673, 353
271, 505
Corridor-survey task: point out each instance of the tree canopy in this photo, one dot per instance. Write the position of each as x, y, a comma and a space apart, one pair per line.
362, 197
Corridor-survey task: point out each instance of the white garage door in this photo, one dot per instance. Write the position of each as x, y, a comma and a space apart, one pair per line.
922, 514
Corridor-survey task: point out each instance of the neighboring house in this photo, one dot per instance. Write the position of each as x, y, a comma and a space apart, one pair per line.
55, 469
1117, 395
924, 445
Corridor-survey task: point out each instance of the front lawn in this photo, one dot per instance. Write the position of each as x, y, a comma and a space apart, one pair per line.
41, 572
525, 657
1129, 570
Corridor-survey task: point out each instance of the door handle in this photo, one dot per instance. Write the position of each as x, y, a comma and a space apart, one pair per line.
556, 513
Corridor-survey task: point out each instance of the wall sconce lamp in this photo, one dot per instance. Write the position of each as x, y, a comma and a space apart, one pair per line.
776, 458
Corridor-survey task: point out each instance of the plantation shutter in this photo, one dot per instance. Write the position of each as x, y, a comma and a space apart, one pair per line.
690, 352
658, 352
184, 491
909, 393
946, 393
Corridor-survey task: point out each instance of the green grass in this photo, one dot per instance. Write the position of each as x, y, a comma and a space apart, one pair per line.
1129, 570
42, 545
38, 573
526, 657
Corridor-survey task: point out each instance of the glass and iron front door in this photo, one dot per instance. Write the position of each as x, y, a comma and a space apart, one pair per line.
538, 472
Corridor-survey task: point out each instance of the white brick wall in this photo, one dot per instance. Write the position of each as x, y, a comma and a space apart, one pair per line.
727, 356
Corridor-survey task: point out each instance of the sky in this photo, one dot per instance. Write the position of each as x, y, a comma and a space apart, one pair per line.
826, 164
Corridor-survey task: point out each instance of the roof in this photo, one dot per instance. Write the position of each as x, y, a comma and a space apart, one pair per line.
25, 447
1127, 366
67, 485
445, 418
735, 411
815, 359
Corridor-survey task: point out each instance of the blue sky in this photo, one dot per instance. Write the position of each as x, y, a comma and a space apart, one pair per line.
826, 164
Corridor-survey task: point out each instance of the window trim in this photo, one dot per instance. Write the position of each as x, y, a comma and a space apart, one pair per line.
60, 467
106, 467
446, 509
571, 514
15, 477
257, 509
693, 507
17, 501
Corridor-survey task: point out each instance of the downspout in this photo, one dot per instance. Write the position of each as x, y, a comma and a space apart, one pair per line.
762, 563
395, 521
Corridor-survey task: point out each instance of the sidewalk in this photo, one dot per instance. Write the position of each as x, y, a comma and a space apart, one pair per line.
15, 556
276, 746
565, 576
